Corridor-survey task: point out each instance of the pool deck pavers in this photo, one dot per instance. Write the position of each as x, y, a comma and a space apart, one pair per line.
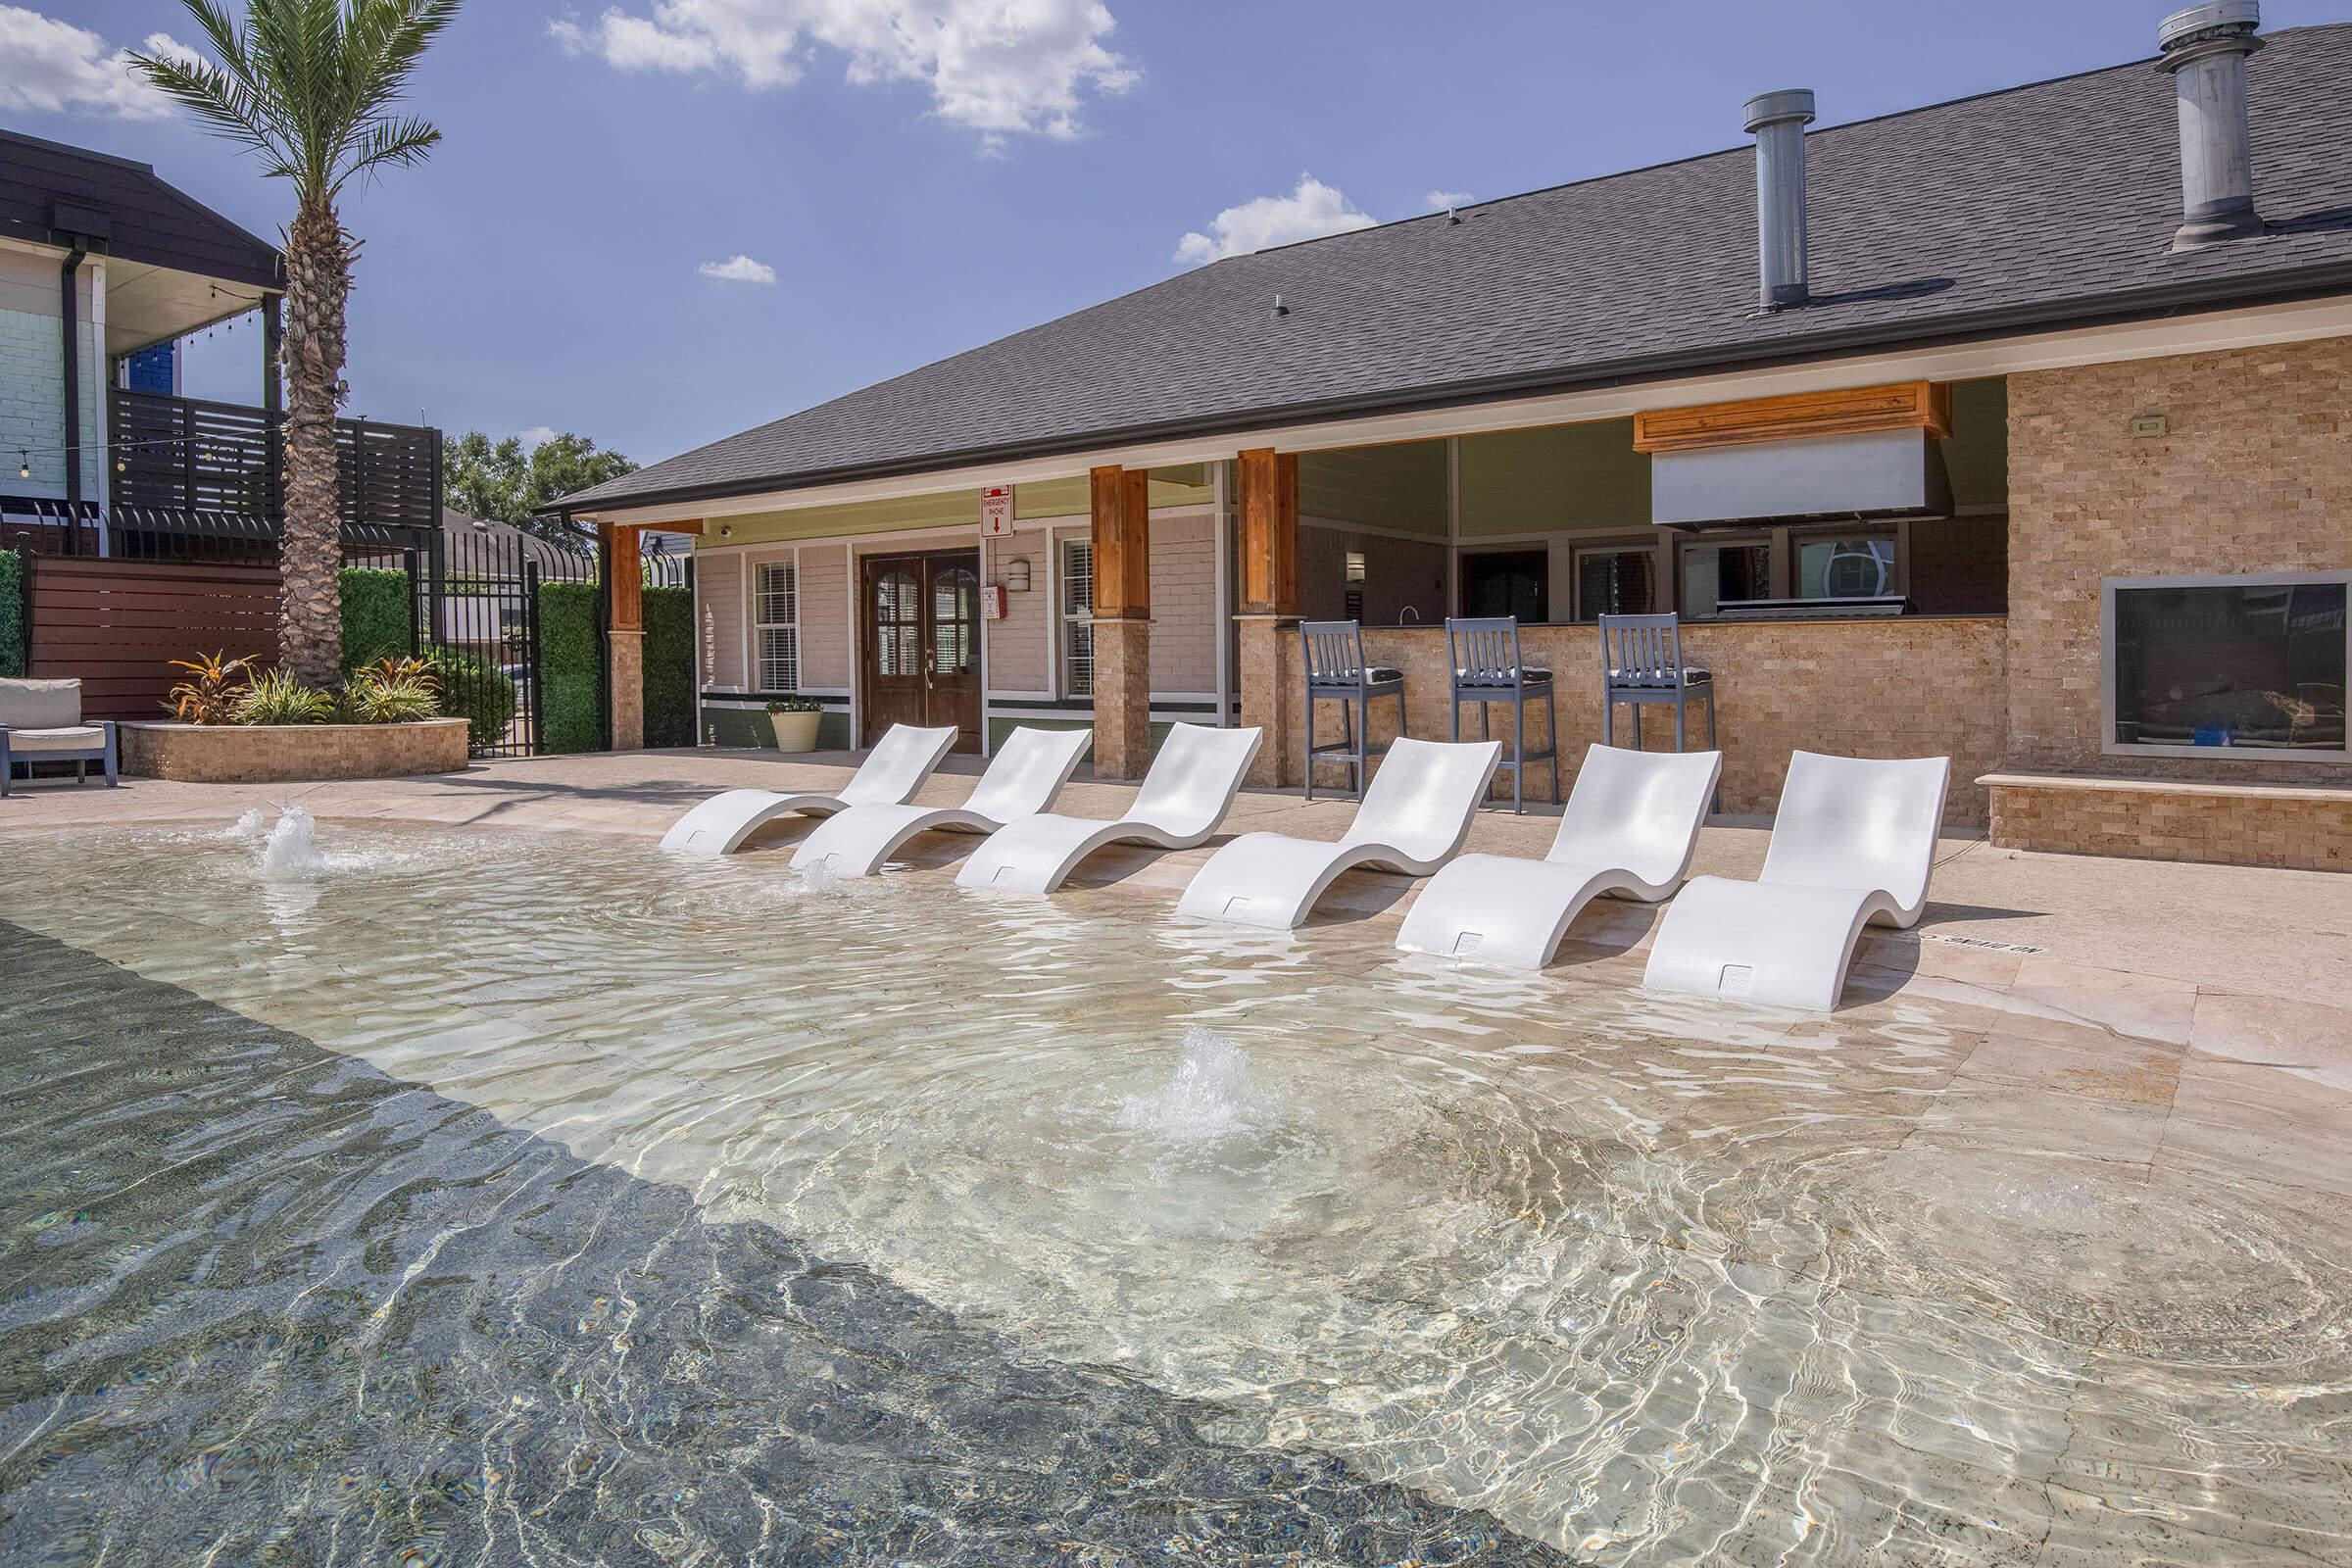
2240, 963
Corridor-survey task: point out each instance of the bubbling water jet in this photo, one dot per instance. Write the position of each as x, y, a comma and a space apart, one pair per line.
292, 848
1207, 1097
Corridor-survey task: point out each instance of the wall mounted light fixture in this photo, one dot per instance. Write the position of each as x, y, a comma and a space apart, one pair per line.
1016, 574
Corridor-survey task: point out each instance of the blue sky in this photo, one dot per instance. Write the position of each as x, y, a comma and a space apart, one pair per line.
923, 178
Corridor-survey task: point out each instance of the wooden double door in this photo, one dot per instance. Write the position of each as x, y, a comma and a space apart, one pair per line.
918, 660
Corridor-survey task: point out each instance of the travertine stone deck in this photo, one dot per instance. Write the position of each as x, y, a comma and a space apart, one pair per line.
2241, 964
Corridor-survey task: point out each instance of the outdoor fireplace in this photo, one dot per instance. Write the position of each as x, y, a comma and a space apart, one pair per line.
2252, 666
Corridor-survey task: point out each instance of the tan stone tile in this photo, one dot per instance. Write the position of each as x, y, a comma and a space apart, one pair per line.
1996, 1114
2244, 1027
2154, 1006
2232, 1119
2103, 1067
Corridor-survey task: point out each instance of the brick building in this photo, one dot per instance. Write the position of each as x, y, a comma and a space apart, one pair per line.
2016, 428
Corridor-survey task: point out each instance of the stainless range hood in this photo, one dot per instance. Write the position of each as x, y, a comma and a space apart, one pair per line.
1825, 478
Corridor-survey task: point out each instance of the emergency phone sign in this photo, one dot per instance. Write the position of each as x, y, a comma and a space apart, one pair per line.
996, 511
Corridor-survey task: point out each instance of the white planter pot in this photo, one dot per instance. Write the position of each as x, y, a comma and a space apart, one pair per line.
796, 732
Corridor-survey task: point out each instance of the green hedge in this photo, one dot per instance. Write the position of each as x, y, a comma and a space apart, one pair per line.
376, 616
670, 666
12, 615
571, 677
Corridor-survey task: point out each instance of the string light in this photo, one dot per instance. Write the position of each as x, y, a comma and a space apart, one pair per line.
23, 465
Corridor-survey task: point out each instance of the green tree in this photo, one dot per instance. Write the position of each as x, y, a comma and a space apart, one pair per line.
502, 481
310, 87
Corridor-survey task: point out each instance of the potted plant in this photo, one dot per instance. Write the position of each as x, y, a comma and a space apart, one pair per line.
795, 718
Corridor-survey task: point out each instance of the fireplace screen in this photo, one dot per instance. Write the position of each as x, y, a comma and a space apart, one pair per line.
2249, 663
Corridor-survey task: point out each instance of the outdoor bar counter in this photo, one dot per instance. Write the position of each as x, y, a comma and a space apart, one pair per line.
1896, 686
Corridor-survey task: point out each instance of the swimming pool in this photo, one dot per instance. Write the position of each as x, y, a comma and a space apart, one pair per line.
507, 1197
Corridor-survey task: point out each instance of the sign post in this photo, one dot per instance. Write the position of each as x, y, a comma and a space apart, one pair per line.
996, 511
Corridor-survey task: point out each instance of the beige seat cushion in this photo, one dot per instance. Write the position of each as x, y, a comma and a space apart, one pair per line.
40, 704
69, 738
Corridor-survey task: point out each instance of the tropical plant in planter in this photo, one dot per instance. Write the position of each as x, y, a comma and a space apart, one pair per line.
392, 690
281, 698
210, 694
796, 719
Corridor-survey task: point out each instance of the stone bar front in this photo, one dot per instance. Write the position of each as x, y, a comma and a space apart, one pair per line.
1912, 686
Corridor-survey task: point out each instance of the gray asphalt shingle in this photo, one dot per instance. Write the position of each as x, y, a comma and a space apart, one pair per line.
2055, 202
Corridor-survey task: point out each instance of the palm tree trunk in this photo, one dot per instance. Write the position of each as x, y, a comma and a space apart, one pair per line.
310, 550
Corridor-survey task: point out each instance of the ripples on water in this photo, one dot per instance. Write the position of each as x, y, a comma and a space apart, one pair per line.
1652, 1282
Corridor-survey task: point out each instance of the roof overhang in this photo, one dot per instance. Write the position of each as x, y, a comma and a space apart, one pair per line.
2323, 311
147, 304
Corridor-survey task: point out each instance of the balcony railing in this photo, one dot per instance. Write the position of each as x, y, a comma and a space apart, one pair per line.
200, 467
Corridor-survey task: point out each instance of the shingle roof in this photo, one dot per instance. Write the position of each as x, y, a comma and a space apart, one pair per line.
2046, 204
149, 219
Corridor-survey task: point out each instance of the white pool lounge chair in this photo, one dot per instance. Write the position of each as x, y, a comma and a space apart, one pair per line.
889, 776
1028, 772
1185, 796
1632, 823
1414, 817
1854, 842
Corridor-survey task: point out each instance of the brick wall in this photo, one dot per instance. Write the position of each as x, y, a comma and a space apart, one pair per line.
1914, 687
2254, 473
1184, 604
1018, 648
32, 369
2309, 830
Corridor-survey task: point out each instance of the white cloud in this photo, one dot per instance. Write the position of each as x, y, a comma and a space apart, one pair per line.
538, 435
1450, 198
53, 67
999, 66
1310, 211
739, 270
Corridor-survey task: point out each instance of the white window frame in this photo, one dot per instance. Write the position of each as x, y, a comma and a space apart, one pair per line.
762, 625
2111, 747
1068, 619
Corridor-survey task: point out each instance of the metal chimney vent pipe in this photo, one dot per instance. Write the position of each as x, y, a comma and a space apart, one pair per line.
2205, 48
1779, 120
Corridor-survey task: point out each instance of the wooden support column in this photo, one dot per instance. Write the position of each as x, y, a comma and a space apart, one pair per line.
624, 635
1270, 606
1122, 539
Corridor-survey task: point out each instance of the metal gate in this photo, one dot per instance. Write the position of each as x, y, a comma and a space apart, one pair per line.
479, 612
474, 612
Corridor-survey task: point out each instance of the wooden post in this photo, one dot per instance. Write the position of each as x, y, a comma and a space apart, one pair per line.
1270, 606
1121, 504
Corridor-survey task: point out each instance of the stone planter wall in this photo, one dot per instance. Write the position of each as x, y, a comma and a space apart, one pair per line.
274, 754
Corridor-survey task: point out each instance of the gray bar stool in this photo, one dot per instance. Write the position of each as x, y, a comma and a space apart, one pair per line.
1485, 655
1335, 672
1641, 664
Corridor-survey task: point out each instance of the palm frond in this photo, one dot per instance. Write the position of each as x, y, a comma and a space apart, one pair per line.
310, 85
387, 142
221, 101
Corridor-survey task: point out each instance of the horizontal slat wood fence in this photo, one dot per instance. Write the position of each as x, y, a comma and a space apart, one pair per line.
116, 625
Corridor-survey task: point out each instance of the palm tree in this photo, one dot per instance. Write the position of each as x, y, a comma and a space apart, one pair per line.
309, 86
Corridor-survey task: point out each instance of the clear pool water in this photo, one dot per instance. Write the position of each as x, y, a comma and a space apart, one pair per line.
507, 1198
